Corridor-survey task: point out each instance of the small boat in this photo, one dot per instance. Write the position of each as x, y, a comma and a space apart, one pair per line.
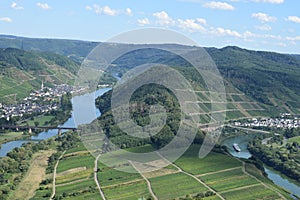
236, 147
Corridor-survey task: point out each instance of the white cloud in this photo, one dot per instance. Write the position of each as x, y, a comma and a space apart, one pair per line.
15, 6
270, 1
143, 22
5, 19
264, 27
109, 11
263, 17
293, 19
226, 32
43, 6
218, 5
296, 38
191, 25
128, 11
201, 21
163, 18
106, 10
249, 34
282, 44
88, 8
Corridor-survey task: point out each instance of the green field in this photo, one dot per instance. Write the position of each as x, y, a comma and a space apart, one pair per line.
295, 139
251, 193
41, 120
5, 137
77, 187
228, 180
175, 185
71, 162
127, 191
220, 172
212, 162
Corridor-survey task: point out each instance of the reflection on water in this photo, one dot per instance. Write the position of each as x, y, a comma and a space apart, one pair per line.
276, 177
84, 112
5, 148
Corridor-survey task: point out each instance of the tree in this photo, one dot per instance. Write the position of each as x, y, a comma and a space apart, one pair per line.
36, 123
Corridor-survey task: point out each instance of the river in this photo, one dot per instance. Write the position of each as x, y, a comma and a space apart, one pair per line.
84, 111
277, 177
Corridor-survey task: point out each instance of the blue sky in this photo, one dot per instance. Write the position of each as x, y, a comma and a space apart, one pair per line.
272, 25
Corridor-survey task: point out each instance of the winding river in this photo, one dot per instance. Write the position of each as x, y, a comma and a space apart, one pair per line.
278, 178
84, 112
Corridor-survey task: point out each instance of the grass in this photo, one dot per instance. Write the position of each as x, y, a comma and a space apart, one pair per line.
75, 178
295, 139
83, 174
252, 193
108, 176
86, 196
190, 162
228, 180
127, 192
76, 187
40, 119
6, 137
71, 162
79, 147
175, 185
33, 177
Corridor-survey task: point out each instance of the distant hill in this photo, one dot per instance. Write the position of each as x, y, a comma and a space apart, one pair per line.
74, 49
269, 78
22, 71
268, 81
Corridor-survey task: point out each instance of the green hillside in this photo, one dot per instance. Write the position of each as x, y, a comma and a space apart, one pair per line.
258, 83
266, 77
74, 49
22, 71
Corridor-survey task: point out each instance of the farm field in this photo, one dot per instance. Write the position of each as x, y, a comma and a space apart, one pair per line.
217, 176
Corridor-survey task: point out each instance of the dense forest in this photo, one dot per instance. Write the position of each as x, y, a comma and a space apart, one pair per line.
280, 154
140, 103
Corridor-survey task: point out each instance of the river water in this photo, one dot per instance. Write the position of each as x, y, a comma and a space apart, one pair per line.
84, 112
278, 178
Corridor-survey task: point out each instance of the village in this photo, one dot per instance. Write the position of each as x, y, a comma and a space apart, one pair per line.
286, 120
39, 101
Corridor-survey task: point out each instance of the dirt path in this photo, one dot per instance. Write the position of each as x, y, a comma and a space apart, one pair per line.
148, 182
241, 188
191, 175
72, 182
54, 175
35, 174
96, 177
124, 183
224, 170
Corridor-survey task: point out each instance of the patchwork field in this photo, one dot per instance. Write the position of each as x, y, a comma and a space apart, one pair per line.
217, 176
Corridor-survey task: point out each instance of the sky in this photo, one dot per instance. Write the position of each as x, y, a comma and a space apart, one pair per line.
270, 25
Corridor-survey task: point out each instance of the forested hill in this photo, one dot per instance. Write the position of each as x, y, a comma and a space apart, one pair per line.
74, 49
269, 79
22, 71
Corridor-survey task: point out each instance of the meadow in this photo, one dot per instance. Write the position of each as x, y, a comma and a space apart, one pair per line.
217, 175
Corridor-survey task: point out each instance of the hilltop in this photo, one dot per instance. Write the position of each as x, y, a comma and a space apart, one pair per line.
23, 71
258, 83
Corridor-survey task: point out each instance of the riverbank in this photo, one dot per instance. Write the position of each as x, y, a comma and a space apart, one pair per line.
275, 176
11, 136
